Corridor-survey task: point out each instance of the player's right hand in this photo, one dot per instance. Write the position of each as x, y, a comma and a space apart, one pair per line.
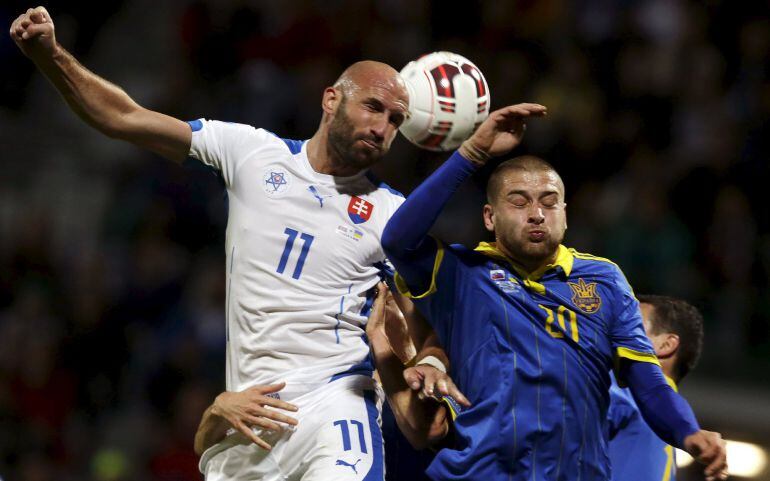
501, 132
249, 408
34, 33
710, 449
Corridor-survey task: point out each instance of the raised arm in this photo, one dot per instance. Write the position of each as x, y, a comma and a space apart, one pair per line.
101, 104
404, 238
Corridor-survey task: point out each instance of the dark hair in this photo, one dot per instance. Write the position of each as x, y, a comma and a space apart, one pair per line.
678, 317
524, 162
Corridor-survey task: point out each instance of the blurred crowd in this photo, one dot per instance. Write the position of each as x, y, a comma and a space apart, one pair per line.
112, 261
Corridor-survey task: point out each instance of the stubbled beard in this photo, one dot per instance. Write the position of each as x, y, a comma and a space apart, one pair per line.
341, 142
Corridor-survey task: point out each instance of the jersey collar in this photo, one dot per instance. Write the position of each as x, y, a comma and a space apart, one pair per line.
326, 178
564, 261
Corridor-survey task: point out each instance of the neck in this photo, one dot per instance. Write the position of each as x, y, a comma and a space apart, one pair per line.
529, 265
324, 160
667, 366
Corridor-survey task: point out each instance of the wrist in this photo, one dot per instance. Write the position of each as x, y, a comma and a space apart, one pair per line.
432, 361
216, 406
474, 154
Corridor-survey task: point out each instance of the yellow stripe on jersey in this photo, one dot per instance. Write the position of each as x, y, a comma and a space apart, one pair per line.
626, 353
564, 259
671, 383
669, 462
590, 257
403, 288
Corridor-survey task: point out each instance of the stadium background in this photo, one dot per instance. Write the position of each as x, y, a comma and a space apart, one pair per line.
112, 261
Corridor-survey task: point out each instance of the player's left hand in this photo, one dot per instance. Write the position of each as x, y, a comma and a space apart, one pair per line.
708, 448
501, 132
430, 382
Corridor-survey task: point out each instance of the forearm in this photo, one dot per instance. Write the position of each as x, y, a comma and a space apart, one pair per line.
412, 415
211, 430
101, 104
107, 108
409, 226
666, 412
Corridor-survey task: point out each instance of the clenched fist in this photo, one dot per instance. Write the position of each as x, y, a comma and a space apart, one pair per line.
33, 32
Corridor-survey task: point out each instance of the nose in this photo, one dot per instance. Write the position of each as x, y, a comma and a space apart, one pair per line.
380, 127
536, 215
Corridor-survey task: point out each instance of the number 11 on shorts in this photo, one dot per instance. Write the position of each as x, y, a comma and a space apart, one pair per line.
346, 444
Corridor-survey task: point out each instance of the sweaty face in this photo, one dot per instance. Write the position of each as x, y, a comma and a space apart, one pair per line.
367, 121
528, 216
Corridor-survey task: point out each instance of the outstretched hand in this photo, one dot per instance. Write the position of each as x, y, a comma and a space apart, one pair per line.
34, 33
501, 132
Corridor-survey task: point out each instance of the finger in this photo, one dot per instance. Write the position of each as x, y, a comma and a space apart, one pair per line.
42, 14
254, 438
263, 423
270, 388
413, 378
429, 383
35, 30
523, 110
442, 387
37, 17
277, 403
458, 395
271, 414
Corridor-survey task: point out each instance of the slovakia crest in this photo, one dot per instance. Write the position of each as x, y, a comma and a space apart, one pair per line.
359, 210
584, 296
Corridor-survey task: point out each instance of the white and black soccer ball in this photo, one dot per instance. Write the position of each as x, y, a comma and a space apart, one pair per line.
448, 99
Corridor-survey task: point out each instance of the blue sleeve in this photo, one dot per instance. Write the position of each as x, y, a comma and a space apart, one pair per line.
627, 334
405, 238
666, 412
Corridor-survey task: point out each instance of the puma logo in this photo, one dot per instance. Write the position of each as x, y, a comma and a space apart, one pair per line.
351, 466
318, 196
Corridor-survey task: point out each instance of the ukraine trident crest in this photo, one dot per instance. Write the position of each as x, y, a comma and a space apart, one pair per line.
584, 296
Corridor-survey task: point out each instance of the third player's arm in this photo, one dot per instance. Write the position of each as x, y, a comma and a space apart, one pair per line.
422, 422
671, 417
99, 103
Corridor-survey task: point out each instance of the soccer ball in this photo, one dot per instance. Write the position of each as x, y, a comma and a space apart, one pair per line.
448, 99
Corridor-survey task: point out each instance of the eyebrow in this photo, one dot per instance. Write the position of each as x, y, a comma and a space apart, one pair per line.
527, 194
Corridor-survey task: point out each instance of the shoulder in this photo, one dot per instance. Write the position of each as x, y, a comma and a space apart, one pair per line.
585, 263
380, 193
244, 132
382, 188
599, 268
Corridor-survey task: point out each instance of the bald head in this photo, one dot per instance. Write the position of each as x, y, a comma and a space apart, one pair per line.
524, 163
369, 73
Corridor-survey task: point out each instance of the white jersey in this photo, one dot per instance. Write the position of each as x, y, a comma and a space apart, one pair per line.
303, 257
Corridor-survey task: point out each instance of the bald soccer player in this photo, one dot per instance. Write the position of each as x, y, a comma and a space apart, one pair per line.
303, 259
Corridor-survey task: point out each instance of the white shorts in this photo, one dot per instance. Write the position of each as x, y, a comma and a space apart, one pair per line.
337, 438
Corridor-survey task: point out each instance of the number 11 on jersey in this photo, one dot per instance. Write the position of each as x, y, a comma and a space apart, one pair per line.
307, 241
